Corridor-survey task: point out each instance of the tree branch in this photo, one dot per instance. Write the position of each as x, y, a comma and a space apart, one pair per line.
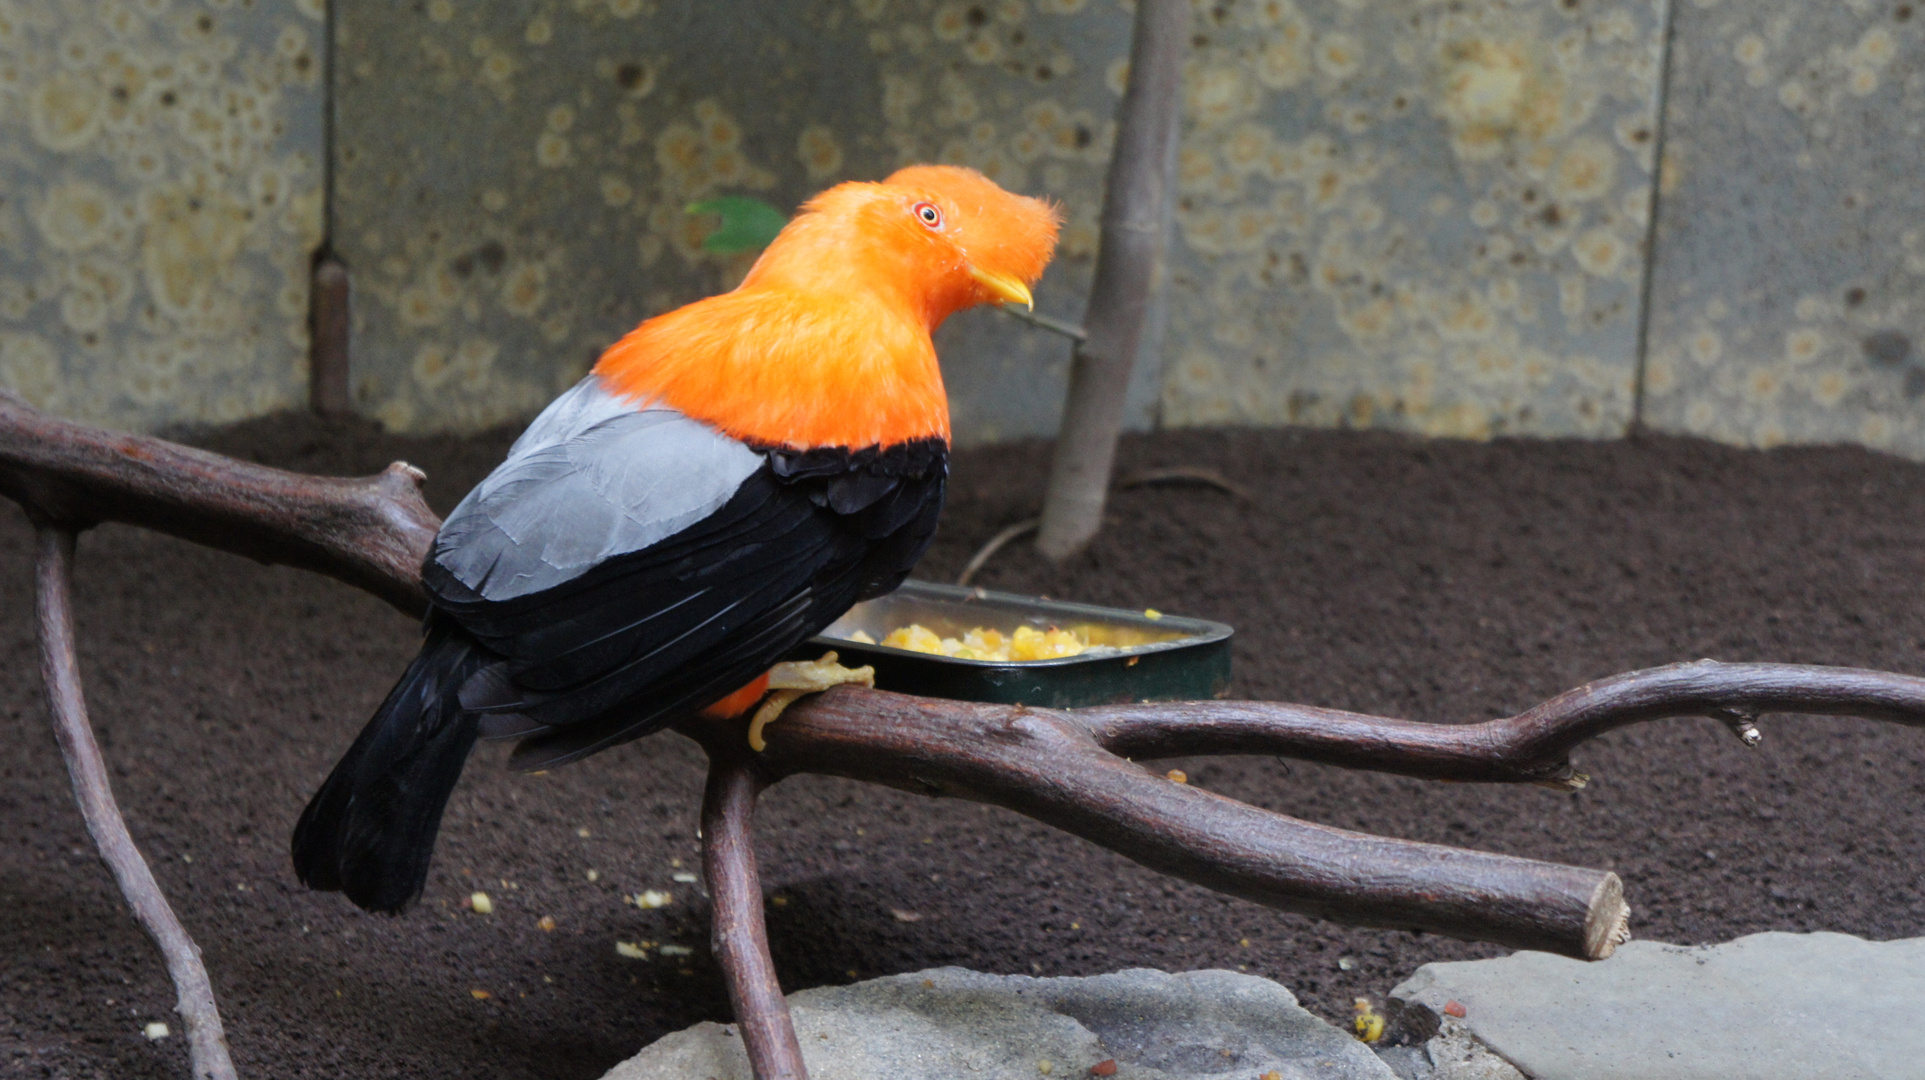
739, 934
53, 573
1049, 766
1531, 747
371, 532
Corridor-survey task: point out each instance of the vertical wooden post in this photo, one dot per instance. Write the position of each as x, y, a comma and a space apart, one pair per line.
328, 327
1135, 229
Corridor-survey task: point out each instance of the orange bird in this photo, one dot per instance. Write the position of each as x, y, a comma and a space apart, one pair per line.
728, 480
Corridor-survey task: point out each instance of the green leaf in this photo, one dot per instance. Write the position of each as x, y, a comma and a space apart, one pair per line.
747, 224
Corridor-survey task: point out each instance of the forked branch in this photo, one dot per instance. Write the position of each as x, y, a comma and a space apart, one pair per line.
371, 532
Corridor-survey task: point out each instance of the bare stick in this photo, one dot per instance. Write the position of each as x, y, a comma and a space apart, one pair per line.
739, 935
992, 546
371, 532
53, 572
1189, 474
1532, 746
328, 328
1047, 765
1135, 228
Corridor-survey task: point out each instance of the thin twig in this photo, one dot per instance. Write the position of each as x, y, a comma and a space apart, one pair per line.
739, 935
995, 543
1044, 322
1188, 474
53, 573
1531, 747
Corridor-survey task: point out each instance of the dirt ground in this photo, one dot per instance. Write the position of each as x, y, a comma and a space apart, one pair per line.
1439, 581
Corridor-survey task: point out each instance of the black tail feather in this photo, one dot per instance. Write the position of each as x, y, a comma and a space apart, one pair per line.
370, 830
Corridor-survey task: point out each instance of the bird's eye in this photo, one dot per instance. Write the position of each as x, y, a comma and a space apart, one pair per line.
929, 214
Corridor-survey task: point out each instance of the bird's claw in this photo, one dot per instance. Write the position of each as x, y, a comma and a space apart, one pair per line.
791, 679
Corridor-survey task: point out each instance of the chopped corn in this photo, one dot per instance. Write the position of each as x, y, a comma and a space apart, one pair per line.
1026, 643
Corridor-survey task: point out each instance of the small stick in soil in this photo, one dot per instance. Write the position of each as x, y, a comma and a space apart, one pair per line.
739, 934
995, 543
206, 1042
1189, 474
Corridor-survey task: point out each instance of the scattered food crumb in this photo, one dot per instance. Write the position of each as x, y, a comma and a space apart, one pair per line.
1152, 614
582, 832
674, 862
185, 857
1345, 963
779, 901
631, 950
684, 877
1368, 1023
929, 984
155, 1030
905, 916
1045, 1066
1075, 926
1272, 1075
677, 950
649, 899
480, 995
1106, 1067
1455, 1008
481, 904
1245, 942
594, 875
1178, 776
547, 924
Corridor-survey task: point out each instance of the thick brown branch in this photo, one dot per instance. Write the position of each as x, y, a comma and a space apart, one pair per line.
1532, 746
1047, 765
206, 1043
739, 935
371, 532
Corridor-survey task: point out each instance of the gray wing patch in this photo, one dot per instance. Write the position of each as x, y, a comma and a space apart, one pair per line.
593, 477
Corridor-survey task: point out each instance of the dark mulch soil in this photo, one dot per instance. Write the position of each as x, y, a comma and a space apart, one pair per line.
1441, 581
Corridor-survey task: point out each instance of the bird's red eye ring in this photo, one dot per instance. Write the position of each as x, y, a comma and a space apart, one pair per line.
929, 214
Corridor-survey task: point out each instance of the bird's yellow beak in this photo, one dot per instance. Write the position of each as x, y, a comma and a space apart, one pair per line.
1004, 288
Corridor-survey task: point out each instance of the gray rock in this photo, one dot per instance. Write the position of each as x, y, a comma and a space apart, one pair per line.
1759, 1008
949, 1023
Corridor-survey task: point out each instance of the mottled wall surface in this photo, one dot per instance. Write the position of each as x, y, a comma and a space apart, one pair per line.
1428, 215
1788, 295
1424, 216
160, 175
514, 175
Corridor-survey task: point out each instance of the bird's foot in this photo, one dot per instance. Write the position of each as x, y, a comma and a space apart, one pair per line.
791, 679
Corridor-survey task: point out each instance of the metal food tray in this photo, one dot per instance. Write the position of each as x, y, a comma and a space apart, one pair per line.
1190, 663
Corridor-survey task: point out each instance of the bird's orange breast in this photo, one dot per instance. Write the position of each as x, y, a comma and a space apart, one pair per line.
778, 367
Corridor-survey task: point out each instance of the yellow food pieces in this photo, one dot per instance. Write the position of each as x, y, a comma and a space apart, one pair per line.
981, 643
1368, 1023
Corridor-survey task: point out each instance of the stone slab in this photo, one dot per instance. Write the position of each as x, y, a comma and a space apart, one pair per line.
948, 1023
1771, 1006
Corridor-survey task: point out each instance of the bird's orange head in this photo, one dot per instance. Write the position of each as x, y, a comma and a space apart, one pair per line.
827, 340
942, 237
